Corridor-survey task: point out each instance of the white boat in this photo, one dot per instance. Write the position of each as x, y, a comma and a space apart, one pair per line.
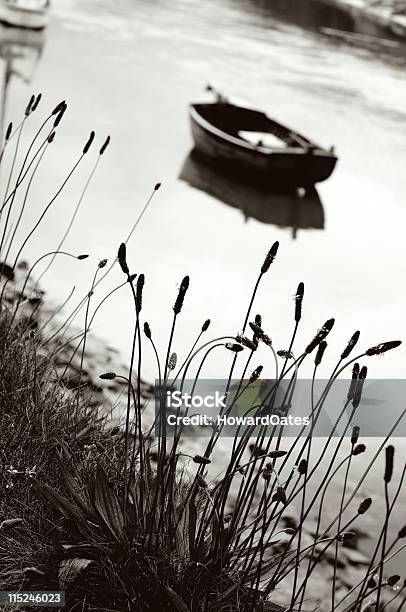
31, 14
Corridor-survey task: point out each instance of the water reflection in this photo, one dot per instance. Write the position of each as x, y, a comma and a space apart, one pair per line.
20, 52
297, 209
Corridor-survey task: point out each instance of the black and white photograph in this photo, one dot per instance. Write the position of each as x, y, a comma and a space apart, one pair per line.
202, 305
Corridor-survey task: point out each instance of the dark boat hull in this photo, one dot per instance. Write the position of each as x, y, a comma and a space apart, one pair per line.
293, 166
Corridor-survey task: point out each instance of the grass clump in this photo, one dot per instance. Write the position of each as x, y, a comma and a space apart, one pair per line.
41, 425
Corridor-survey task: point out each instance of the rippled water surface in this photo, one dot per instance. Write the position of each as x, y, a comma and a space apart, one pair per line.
130, 68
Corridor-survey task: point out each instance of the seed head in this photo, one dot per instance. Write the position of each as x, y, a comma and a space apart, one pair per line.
359, 386
402, 533
28, 108
105, 145
256, 329
206, 325
256, 373
270, 257
122, 258
108, 376
58, 107
235, 348
89, 142
9, 130
355, 435
351, 344
172, 361
147, 330
51, 137
184, 286
102, 263
389, 455
259, 334
353, 384
81, 257
379, 349
298, 302
321, 335
392, 580
285, 354
60, 114
201, 460
258, 323
157, 186
302, 467
365, 505
247, 342
359, 449
36, 102
280, 496
138, 293
276, 454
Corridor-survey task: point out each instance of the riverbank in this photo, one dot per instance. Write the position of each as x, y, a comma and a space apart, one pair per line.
75, 365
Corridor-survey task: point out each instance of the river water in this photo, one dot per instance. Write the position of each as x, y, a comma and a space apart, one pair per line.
130, 68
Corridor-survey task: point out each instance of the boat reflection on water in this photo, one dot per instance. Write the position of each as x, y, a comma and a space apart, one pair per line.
20, 52
296, 209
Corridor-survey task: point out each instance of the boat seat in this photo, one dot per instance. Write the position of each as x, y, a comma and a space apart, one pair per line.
262, 139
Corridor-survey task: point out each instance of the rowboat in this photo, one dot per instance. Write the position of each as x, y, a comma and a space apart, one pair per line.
249, 140
294, 208
30, 14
